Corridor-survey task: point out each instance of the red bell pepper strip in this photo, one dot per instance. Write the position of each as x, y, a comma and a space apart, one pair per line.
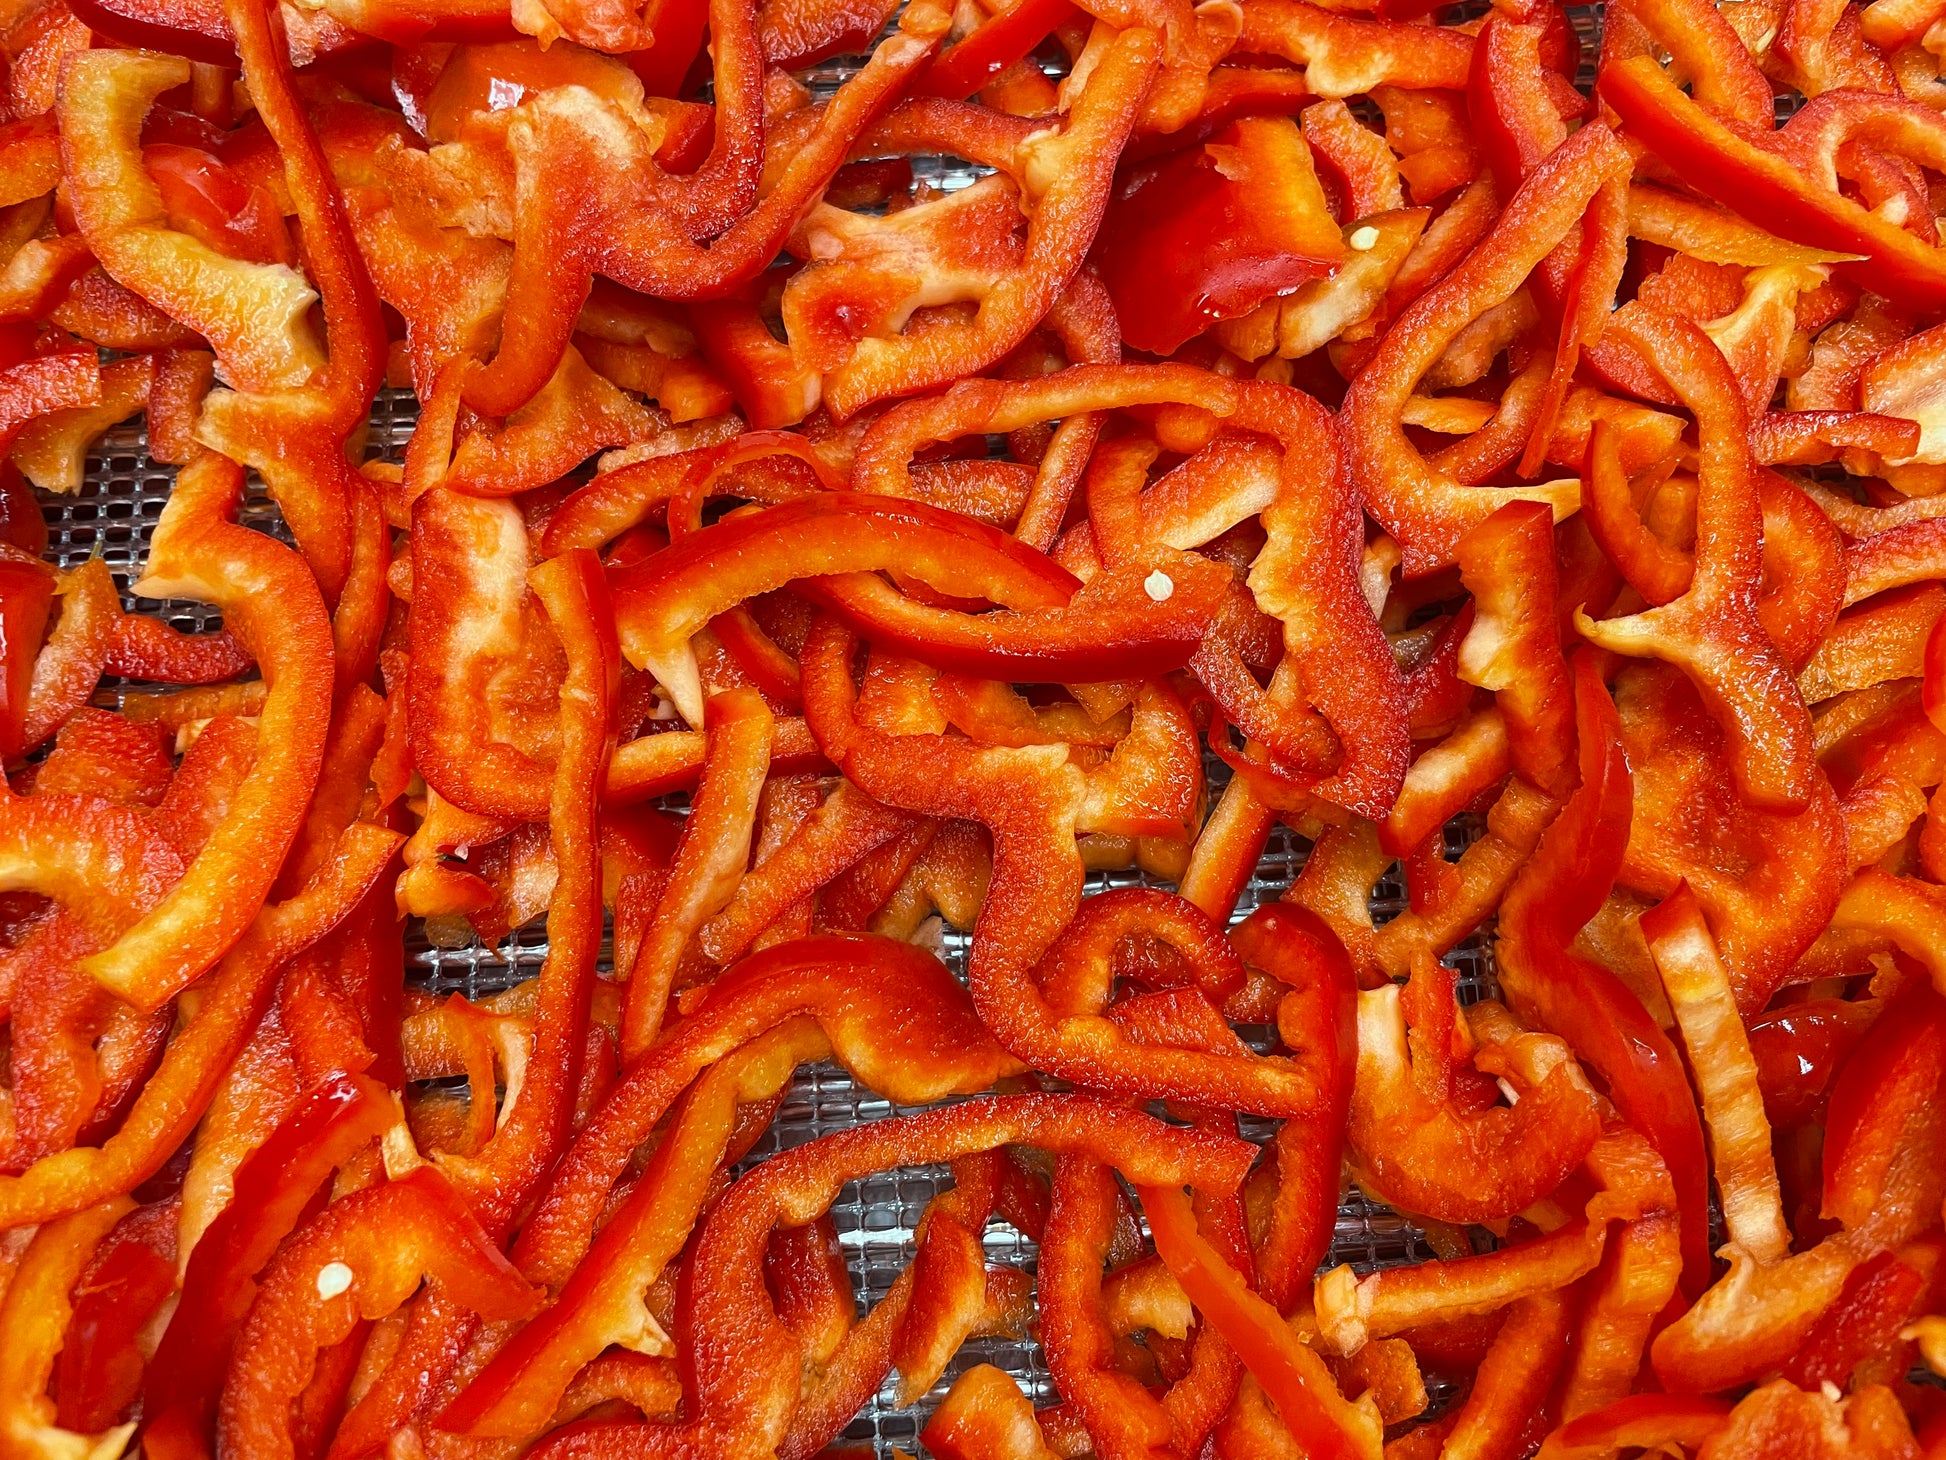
1513, 646
1317, 1017
1555, 894
1291, 1372
26, 600
1513, 1381
34, 1314
1335, 668
1425, 508
894, 1017
1725, 1073
1078, 1324
600, 203
1031, 797
1771, 186
1415, 1146
969, 63
100, 1370
1892, 1072
678, 27
200, 1053
499, 1180
666, 598
1712, 631
359, 1259
710, 860
272, 1191
521, 1388
271, 601
746, 1365
1872, 1307
1800, 1048
1211, 233
1641, 1419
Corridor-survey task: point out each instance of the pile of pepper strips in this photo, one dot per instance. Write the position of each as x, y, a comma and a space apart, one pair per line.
1338, 390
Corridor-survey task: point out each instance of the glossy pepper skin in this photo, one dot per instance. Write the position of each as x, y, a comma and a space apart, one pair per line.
745, 1363
271, 1194
1212, 232
1772, 185
1555, 894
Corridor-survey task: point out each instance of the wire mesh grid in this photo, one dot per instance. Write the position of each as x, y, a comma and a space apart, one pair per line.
114, 515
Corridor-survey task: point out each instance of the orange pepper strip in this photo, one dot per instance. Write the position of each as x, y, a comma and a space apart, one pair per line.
1712, 631
1294, 1377
710, 859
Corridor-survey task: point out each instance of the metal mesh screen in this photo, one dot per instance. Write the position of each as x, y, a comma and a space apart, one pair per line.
114, 515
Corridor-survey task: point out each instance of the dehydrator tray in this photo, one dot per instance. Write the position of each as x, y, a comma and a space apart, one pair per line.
114, 514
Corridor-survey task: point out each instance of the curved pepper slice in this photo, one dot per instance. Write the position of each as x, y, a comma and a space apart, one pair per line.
1771, 185
1212, 232
895, 1018
590, 198
746, 1364
710, 859
1078, 1328
1290, 1371
1711, 632
1307, 574
270, 1193
1418, 1150
295, 435
1425, 509
1554, 896
357, 1260
253, 314
1066, 175
519, 1390
34, 1314
1725, 1071
270, 600
201, 1052
662, 601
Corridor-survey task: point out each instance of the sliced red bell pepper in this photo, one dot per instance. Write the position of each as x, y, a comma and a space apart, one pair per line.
1872, 1307
1895, 1069
1770, 186
210, 201
1800, 1048
100, 1371
1211, 233
1641, 1419
359, 1259
969, 63
26, 600
272, 1192
1557, 892
1291, 1372
1057, 630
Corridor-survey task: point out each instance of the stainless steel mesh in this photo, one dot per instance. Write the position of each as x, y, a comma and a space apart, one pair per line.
114, 514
